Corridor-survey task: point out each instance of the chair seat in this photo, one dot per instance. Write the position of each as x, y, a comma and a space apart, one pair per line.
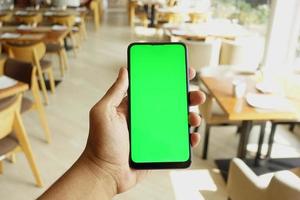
4, 103
45, 64
53, 48
8, 144
26, 104
75, 29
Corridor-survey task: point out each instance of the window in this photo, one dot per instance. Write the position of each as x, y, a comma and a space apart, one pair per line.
253, 14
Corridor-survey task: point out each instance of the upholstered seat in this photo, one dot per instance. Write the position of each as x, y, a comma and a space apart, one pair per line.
53, 48
45, 64
8, 144
26, 104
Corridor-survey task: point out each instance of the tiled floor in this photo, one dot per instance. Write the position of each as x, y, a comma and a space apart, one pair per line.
90, 74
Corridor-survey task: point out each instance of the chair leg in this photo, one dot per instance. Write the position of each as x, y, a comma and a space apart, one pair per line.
12, 158
61, 63
65, 59
1, 167
73, 44
24, 143
206, 141
96, 18
271, 139
83, 26
41, 113
43, 87
51, 80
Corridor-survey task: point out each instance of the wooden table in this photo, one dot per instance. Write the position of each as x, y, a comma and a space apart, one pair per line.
238, 109
18, 88
45, 34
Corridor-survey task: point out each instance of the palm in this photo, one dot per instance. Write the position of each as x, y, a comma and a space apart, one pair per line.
112, 145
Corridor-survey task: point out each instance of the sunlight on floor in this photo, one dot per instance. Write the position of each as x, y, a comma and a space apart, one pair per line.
187, 184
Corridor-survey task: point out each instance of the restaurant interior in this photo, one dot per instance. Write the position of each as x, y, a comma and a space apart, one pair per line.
59, 57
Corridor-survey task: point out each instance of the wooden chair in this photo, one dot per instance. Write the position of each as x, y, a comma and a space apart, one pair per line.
34, 53
80, 23
135, 11
68, 21
198, 17
94, 6
26, 73
6, 17
13, 136
31, 19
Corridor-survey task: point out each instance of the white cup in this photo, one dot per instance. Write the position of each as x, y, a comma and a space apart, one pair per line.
239, 88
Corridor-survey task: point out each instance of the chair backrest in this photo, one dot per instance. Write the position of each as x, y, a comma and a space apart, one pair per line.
18, 70
66, 20
202, 54
32, 20
246, 54
198, 17
6, 17
31, 53
175, 18
8, 108
284, 185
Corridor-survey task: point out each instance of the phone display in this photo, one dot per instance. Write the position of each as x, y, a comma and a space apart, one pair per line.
158, 105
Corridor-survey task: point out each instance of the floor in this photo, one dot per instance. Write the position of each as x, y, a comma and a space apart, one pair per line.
90, 74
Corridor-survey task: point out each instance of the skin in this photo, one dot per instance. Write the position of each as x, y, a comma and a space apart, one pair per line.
102, 171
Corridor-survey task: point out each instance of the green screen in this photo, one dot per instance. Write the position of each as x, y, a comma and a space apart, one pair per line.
158, 103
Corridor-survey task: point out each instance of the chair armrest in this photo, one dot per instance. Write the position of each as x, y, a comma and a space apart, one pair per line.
284, 185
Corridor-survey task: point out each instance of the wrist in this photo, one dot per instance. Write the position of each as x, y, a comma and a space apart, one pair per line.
104, 179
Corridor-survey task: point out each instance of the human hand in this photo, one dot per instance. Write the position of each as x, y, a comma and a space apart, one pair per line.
108, 143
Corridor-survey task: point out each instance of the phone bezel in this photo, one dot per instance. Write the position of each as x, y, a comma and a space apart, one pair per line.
157, 165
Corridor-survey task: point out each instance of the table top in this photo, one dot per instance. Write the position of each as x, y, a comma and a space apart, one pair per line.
40, 33
238, 109
200, 31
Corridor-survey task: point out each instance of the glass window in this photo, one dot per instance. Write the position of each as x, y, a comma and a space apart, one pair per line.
253, 14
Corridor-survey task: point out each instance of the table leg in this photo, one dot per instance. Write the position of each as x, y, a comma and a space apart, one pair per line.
260, 143
152, 16
245, 132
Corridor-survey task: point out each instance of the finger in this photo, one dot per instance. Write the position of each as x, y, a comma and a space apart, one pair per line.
194, 119
192, 73
195, 139
118, 90
196, 98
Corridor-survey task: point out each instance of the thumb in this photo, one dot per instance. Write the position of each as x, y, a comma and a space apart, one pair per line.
118, 90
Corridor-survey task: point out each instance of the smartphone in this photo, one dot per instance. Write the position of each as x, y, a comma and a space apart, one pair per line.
158, 106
